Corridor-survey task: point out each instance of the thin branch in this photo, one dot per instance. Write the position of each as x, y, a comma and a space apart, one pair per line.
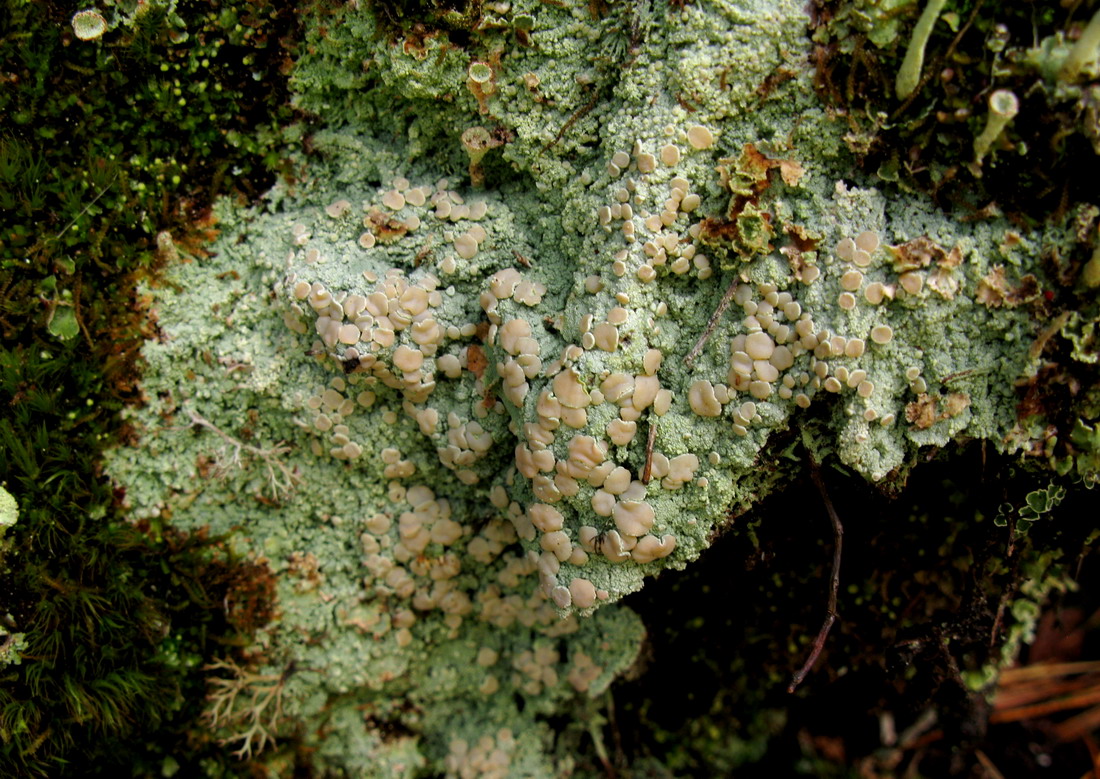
280, 477
830, 617
647, 471
572, 120
990, 769
84, 210
252, 718
723, 304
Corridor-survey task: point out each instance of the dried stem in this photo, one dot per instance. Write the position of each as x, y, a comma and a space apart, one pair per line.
281, 479
254, 716
91, 203
723, 304
830, 617
572, 120
647, 471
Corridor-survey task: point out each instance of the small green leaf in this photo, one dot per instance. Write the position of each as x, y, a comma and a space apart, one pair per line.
1037, 501
64, 325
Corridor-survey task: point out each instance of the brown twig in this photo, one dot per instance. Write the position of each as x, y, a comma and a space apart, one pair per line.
1010, 697
80, 319
1047, 670
991, 770
1094, 756
647, 471
572, 120
1030, 711
617, 738
830, 617
712, 323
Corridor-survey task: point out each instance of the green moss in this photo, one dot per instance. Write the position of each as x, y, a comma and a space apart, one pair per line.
107, 624
924, 138
107, 141
104, 143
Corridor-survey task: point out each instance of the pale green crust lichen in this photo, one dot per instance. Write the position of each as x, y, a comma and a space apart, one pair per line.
427, 406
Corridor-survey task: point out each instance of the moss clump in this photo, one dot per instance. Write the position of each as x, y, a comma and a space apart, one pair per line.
90, 671
924, 139
104, 144
456, 19
111, 621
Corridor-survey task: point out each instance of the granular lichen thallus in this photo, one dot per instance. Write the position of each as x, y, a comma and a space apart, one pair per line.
481, 455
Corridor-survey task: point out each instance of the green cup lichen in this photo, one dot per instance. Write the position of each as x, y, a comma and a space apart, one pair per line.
1084, 51
88, 25
1003, 107
909, 75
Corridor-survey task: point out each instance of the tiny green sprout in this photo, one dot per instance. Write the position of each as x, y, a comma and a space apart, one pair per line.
63, 324
1086, 442
910, 72
1003, 107
1083, 52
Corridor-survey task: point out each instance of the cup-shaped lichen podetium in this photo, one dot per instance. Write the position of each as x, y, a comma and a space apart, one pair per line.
478, 141
1090, 274
1084, 51
88, 25
910, 72
1003, 107
479, 80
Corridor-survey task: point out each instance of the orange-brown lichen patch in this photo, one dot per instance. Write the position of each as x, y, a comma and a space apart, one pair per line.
801, 242
476, 361
751, 170
925, 410
952, 259
922, 252
943, 283
921, 413
386, 228
307, 569
748, 228
954, 403
744, 225
994, 290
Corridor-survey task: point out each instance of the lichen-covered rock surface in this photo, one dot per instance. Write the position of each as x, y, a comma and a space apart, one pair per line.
525, 329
